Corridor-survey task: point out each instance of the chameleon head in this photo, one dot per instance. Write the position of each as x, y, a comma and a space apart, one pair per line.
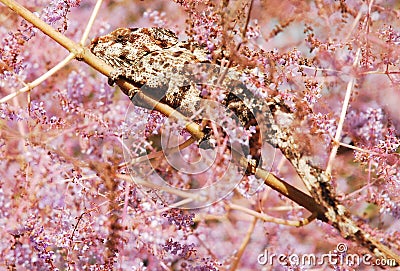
125, 46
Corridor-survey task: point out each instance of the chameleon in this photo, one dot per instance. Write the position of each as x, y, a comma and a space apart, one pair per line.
157, 63
153, 60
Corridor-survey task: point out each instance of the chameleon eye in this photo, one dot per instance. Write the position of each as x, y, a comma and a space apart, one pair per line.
120, 38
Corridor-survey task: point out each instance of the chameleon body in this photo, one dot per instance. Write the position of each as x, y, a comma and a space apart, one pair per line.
161, 66
154, 57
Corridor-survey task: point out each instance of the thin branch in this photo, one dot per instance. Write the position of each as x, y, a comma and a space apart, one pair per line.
126, 203
168, 189
68, 44
150, 156
243, 33
267, 218
39, 80
366, 151
90, 22
243, 246
381, 72
346, 102
354, 25
60, 65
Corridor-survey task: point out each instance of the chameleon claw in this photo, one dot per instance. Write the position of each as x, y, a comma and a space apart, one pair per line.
114, 76
207, 142
251, 167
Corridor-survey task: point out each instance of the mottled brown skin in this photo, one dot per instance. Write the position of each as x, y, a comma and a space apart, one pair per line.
164, 68
153, 57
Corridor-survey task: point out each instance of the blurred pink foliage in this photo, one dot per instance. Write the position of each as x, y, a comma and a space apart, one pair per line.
58, 211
